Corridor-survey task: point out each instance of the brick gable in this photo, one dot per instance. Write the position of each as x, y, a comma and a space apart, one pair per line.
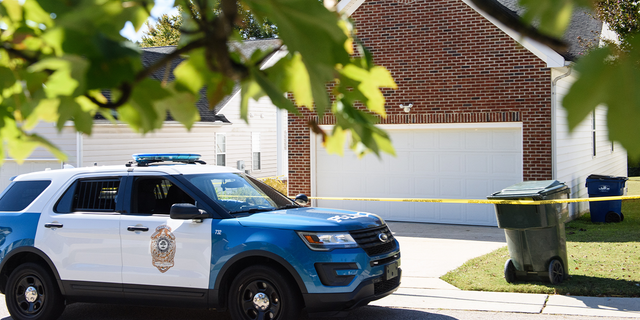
454, 66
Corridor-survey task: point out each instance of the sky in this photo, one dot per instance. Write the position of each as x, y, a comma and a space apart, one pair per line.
161, 7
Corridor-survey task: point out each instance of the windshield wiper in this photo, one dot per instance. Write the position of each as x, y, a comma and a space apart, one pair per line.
289, 206
253, 210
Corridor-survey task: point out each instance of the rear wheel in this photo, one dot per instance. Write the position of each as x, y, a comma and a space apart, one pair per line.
612, 217
261, 292
509, 272
556, 271
32, 294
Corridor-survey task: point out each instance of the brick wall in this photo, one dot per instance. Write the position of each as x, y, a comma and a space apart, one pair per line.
454, 66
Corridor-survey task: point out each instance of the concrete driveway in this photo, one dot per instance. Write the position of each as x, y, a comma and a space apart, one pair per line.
431, 250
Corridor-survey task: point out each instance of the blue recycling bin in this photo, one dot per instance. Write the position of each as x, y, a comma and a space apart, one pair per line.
605, 186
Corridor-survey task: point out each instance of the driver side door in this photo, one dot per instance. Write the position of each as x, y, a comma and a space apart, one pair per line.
163, 256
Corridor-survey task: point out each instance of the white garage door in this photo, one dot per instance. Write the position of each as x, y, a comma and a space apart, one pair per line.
457, 163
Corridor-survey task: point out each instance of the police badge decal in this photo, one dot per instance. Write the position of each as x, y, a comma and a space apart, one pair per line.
163, 248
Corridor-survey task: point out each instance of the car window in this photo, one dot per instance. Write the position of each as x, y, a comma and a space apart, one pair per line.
154, 195
233, 191
90, 195
20, 194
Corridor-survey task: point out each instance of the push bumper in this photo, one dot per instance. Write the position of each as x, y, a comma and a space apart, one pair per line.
338, 304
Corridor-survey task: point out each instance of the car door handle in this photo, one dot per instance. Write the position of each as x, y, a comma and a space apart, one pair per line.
53, 225
137, 228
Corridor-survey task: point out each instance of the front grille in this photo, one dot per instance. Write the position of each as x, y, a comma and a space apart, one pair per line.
369, 240
385, 286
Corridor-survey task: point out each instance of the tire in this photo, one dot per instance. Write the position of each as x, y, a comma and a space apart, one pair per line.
32, 294
612, 217
261, 292
510, 272
556, 271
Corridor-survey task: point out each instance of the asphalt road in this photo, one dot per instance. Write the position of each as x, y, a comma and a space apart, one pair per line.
82, 311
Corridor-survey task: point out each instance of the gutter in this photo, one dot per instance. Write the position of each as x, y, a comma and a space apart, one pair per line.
554, 105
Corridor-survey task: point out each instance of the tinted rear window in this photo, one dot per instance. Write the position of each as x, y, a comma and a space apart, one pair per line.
21, 193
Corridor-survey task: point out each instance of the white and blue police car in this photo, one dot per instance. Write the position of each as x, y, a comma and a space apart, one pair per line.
168, 230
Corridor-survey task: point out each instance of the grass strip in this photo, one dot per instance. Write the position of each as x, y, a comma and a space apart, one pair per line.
604, 260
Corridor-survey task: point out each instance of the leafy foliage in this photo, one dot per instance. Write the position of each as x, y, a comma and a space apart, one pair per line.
622, 16
56, 57
166, 31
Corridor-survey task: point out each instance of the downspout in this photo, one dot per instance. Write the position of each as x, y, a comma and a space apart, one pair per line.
79, 149
554, 105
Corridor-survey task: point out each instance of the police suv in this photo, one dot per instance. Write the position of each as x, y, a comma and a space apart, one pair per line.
168, 230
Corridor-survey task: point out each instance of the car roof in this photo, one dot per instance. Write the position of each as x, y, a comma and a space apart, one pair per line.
170, 169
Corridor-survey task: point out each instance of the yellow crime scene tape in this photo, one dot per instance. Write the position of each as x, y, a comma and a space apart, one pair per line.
523, 202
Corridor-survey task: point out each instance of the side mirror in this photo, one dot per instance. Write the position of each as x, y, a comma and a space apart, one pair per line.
185, 211
302, 199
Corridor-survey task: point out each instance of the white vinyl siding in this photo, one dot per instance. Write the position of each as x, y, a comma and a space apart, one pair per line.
114, 144
221, 149
256, 164
574, 151
262, 119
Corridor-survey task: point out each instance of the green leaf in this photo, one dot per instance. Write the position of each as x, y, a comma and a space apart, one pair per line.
309, 28
181, 105
218, 87
277, 97
590, 89
13, 9
143, 113
370, 82
334, 143
191, 74
290, 75
68, 77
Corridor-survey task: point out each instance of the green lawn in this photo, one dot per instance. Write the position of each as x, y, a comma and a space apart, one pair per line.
604, 260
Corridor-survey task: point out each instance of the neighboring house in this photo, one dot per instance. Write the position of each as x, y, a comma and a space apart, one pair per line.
221, 136
486, 113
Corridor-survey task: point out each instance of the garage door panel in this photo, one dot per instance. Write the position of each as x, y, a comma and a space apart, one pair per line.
424, 162
426, 212
425, 187
477, 164
376, 185
505, 164
431, 163
371, 164
450, 163
506, 141
451, 140
477, 189
450, 187
483, 214
452, 213
422, 140
477, 141
401, 163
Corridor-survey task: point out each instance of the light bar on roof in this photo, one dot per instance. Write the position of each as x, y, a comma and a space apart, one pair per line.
165, 157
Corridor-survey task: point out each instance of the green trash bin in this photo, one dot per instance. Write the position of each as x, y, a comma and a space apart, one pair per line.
535, 233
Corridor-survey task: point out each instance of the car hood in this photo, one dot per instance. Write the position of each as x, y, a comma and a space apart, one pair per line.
312, 219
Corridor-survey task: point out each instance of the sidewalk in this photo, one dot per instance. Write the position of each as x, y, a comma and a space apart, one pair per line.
429, 251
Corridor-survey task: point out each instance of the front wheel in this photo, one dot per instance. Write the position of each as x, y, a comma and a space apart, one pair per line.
260, 292
32, 294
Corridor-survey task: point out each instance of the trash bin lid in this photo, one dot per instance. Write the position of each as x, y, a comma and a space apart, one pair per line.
605, 177
529, 189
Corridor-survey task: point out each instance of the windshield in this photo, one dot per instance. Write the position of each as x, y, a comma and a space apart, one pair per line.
239, 193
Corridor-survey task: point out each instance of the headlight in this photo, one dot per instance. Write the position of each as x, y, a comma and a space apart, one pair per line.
326, 241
